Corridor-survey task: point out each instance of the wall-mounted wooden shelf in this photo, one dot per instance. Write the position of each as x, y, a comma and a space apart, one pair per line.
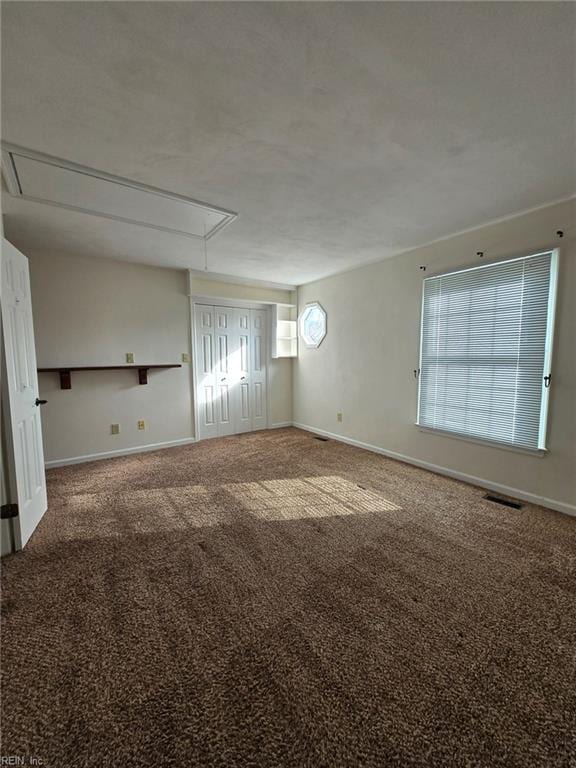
66, 373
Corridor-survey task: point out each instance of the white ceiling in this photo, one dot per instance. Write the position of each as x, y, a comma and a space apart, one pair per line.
340, 132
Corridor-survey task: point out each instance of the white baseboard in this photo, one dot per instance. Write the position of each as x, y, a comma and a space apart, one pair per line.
280, 424
119, 452
532, 498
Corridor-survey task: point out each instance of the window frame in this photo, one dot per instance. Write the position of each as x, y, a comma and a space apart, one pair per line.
312, 305
551, 321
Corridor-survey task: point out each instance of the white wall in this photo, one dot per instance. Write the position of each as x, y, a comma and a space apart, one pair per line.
94, 311
203, 286
91, 312
364, 366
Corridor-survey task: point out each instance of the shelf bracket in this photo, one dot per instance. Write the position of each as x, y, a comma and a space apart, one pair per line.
65, 380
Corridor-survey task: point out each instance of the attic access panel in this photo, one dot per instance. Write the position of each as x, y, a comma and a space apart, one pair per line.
46, 179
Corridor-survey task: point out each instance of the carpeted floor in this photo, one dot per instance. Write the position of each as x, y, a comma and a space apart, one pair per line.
273, 600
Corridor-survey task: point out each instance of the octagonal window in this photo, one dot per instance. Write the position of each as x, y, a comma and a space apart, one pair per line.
313, 324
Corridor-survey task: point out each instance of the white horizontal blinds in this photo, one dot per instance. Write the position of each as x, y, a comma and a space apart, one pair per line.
483, 351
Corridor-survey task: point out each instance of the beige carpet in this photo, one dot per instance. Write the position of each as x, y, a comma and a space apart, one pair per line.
274, 600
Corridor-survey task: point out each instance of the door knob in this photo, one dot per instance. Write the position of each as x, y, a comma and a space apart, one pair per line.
40, 402
242, 378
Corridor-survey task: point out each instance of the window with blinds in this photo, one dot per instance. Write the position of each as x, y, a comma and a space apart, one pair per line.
485, 351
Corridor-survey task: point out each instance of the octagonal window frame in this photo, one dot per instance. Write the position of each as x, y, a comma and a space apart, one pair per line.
311, 344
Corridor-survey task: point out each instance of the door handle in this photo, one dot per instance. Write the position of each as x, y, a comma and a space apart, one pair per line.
242, 378
40, 402
223, 379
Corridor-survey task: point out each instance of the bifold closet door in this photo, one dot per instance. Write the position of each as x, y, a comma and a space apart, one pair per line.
241, 370
258, 394
227, 341
205, 391
230, 361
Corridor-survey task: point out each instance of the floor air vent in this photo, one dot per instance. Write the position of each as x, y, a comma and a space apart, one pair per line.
504, 502
322, 439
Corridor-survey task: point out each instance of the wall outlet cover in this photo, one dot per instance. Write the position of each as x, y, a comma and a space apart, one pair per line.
141, 424
129, 357
114, 429
338, 417
185, 357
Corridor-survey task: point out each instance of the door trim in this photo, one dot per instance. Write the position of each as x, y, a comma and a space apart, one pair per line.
217, 301
214, 301
7, 468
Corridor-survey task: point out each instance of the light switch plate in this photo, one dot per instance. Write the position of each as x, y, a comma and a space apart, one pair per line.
338, 416
141, 424
114, 429
129, 357
185, 357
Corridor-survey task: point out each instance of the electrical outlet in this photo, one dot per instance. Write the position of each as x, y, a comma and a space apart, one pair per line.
129, 357
185, 357
141, 424
114, 429
338, 417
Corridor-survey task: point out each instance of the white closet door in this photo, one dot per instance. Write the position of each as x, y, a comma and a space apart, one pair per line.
225, 341
231, 370
258, 323
242, 374
205, 372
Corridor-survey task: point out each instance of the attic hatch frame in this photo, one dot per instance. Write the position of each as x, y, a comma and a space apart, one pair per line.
9, 168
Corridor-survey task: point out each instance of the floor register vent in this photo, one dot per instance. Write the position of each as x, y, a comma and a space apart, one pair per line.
503, 501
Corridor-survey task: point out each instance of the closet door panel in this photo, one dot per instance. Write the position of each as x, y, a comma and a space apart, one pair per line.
226, 343
204, 372
243, 403
258, 375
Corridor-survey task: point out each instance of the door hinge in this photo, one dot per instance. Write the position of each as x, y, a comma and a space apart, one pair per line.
8, 510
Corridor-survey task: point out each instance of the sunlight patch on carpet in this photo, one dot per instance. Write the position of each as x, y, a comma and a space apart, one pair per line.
151, 510
289, 499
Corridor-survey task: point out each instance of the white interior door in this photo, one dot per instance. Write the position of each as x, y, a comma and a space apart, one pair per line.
236, 370
22, 390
